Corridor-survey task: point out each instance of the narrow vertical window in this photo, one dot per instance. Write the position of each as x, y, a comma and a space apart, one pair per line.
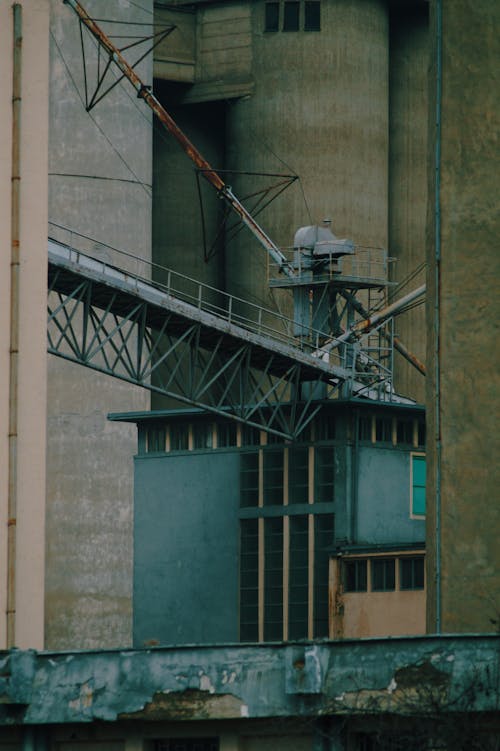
421, 433
411, 573
383, 574
179, 437
298, 600
249, 479
250, 436
323, 543
273, 579
418, 478
249, 580
325, 428
156, 439
202, 435
365, 429
298, 474
226, 434
273, 477
312, 16
272, 17
291, 14
355, 576
405, 431
324, 460
383, 427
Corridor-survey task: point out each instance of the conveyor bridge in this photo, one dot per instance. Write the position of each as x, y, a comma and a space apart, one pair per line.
191, 342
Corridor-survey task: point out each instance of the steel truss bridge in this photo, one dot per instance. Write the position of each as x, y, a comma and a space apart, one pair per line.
195, 344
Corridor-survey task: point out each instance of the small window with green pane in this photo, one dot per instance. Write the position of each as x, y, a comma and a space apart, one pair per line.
418, 477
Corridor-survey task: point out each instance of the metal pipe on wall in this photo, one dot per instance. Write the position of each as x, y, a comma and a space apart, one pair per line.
14, 323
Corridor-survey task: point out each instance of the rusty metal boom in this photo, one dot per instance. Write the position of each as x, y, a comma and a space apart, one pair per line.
144, 92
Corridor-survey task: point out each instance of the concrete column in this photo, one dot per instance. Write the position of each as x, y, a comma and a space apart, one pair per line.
27, 445
462, 434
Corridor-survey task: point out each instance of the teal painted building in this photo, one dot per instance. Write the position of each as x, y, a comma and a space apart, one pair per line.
235, 532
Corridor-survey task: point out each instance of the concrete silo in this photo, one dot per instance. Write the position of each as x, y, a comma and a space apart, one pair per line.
319, 109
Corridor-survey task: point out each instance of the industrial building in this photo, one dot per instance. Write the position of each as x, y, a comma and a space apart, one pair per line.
244, 507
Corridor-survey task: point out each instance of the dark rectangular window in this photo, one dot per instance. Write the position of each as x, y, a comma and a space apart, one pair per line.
355, 575
298, 474
365, 429
272, 16
291, 16
202, 435
249, 580
383, 574
324, 461
298, 597
226, 434
312, 16
411, 573
325, 428
273, 579
179, 437
273, 477
249, 479
156, 439
250, 436
421, 433
323, 542
383, 429
405, 431
187, 744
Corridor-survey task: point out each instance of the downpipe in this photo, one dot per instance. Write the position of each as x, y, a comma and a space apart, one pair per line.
14, 325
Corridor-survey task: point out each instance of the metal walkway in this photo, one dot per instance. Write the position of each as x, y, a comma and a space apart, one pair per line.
187, 341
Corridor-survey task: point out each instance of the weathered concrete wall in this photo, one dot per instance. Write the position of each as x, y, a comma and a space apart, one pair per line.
100, 185
186, 543
408, 94
383, 501
23, 345
224, 52
175, 56
463, 313
350, 677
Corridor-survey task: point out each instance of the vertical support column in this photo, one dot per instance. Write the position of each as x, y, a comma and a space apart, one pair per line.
23, 354
14, 323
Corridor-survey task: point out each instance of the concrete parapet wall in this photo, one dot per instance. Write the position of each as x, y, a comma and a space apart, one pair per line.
420, 675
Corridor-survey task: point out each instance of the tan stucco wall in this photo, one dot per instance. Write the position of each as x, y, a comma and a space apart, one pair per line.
383, 614
467, 318
29, 558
